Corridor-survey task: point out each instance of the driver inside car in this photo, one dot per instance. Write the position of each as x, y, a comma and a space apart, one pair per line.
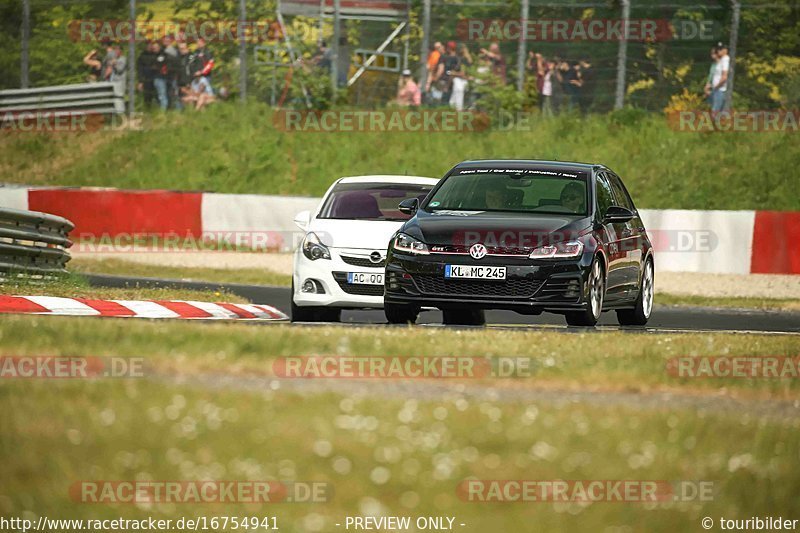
573, 197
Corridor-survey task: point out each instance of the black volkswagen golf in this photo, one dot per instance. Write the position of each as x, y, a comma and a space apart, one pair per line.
529, 236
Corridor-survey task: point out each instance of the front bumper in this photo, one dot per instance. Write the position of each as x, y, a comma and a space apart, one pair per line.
530, 286
331, 276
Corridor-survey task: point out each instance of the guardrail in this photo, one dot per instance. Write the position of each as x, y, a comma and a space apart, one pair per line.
90, 98
33, 242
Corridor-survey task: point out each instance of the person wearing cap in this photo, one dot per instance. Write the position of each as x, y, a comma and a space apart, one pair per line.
719, 82
408, 92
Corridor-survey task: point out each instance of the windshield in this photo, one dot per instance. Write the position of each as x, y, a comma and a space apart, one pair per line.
513, 190
371, 201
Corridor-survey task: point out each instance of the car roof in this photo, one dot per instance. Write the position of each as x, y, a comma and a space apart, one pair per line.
499, 163
388, 178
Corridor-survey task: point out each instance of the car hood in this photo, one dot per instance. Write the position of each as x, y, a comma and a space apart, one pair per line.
364, 234
493, 228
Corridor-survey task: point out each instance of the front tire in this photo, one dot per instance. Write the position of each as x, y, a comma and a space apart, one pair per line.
464, 317
639, 315
597, 290
400, 314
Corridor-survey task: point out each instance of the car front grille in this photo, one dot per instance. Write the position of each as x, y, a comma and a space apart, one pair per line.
359, 290
510, 288
490, 250
362, 261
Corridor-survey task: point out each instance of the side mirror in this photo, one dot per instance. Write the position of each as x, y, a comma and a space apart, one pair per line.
619, 214
302, 219
408, 206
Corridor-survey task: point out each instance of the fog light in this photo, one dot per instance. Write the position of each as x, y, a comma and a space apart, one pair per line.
309, 286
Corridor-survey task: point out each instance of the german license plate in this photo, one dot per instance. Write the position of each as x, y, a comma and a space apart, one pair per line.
365, 278
474, 272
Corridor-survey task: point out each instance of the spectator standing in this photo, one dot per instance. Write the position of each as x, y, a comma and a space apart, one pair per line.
161, 76
575, 86
184, 73
146, 69
108, 60
546, 71
118, 69
565, 77
587, 85
499, 66
408, 92
719, 82
95, 66
534, 64
204, 61
710, 78
432, 64
449, 68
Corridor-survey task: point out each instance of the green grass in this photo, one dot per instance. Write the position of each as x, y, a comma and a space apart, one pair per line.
119, 267
386, 454
76, 286
765, 304
236, 150
590, 360
382, 455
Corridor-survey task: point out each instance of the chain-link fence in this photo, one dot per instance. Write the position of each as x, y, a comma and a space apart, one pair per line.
591, 56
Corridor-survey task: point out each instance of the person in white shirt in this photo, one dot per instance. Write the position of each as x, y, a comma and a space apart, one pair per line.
546, 70
719, 81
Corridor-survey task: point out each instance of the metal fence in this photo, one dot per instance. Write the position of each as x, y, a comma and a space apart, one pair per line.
32, 242
625, 71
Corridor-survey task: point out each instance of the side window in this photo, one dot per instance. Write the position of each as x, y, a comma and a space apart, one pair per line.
605, 198
620, 193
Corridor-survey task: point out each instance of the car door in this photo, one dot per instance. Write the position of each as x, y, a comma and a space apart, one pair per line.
611, 234
631, 238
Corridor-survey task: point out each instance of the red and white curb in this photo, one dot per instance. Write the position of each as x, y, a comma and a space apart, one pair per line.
177, 309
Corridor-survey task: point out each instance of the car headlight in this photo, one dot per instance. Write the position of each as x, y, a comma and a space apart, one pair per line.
314, 249
561, 250
407, 244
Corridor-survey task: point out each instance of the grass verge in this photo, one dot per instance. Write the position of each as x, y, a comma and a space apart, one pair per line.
661, 167
119, 267
607, 361
382, 456
76, 286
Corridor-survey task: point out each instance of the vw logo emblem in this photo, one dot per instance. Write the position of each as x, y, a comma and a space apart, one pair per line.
375, 257
477, 251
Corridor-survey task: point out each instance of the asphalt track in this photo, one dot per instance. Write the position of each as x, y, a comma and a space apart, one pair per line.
664, 318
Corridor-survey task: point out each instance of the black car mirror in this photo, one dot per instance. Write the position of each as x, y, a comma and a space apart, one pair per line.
408, 206
616, 213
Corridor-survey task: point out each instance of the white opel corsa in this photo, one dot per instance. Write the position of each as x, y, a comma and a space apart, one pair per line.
340, 262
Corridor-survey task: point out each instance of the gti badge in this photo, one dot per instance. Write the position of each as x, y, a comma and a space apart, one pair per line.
477, 251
